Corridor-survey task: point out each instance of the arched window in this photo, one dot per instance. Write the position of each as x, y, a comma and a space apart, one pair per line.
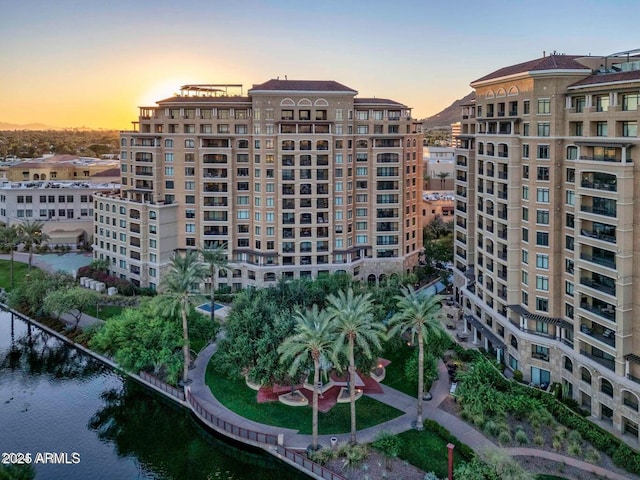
362, 143
414, 142
371, 278
585, 375
382, 278
123, 142
408, 143
606, 387
568, 364
168, 143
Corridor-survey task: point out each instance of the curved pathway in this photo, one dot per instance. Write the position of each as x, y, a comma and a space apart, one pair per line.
406, 403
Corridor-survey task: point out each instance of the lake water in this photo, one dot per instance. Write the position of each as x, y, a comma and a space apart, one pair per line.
55, 399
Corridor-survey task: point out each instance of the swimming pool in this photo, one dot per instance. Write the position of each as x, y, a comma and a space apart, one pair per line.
206, 307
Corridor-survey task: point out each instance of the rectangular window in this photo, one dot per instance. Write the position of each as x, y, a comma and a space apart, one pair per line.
542, 217
542, 304
543, 174
542, 239
525, 150
542, 195
543, 152
629, 129
526, 107
544, 129
630, 102
544, 106
542, 261
542, 283
571, 197
525, 193
525, 257
601, 129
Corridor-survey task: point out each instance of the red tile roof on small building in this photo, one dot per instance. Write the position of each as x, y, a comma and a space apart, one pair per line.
608, 78
302, 85
111, 172
551, 62
380, 101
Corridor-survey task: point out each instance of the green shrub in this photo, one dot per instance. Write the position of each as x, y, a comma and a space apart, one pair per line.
521, 437
491, 428
557, 443
574, 436
517, 375
538, 440
592, 456
504, 437
323, 455
574, 448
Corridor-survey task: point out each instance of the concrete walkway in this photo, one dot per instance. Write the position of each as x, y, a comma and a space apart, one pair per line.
439, 391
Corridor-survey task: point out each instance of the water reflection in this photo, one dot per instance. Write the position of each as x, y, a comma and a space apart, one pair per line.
54, 398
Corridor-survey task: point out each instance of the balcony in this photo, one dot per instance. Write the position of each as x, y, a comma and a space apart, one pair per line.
609, 186
602, 287
605, 310
604, 261
598, 235
607, 212
597, 356
604, 335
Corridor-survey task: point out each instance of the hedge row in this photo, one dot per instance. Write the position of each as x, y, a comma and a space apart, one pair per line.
463, 449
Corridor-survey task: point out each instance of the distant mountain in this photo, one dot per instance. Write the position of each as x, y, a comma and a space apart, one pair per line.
451, 114
28, 126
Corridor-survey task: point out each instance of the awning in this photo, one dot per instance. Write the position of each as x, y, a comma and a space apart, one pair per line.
65, 236
540, 318
496, 341
632, 358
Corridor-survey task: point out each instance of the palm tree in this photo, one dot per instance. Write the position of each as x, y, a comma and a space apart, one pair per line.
32, 236
216, 259
10, 238
442, 176
353, 323
313, 336
419, 316
179, 289
427, 181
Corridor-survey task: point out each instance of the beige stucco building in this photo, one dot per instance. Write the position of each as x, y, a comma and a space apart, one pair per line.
296, 178
546, 262
58, 168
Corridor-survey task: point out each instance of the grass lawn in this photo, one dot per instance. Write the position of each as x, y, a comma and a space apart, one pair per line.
395, 376
105, 312
428, 451
236, 396
19, 272
549, 477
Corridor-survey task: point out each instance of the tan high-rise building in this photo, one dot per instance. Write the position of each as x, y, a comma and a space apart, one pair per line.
546, 245
297, 178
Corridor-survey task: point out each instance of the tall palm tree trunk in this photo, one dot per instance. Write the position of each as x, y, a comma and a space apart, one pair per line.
185, 346
11, 267
352, 389
314, 408
419, 422
213, 303
30, 256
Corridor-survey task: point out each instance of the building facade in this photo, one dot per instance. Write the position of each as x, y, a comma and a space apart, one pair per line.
296, 178
65, 208
57, 168
545, 252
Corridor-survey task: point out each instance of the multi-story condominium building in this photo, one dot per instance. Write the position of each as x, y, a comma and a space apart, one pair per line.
546, 226
65, 208
296, 178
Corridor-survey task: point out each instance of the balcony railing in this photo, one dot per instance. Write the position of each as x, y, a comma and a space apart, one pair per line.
598, 235
607, 212
608, 186
599, 260
608, 313
608, 289
610, 364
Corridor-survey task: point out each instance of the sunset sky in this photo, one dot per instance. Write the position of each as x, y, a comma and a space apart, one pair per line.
73, 63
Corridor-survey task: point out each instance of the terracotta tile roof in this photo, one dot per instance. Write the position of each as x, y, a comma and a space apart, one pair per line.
302, 85
551, 62
380, 101
607, 78
111, 172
